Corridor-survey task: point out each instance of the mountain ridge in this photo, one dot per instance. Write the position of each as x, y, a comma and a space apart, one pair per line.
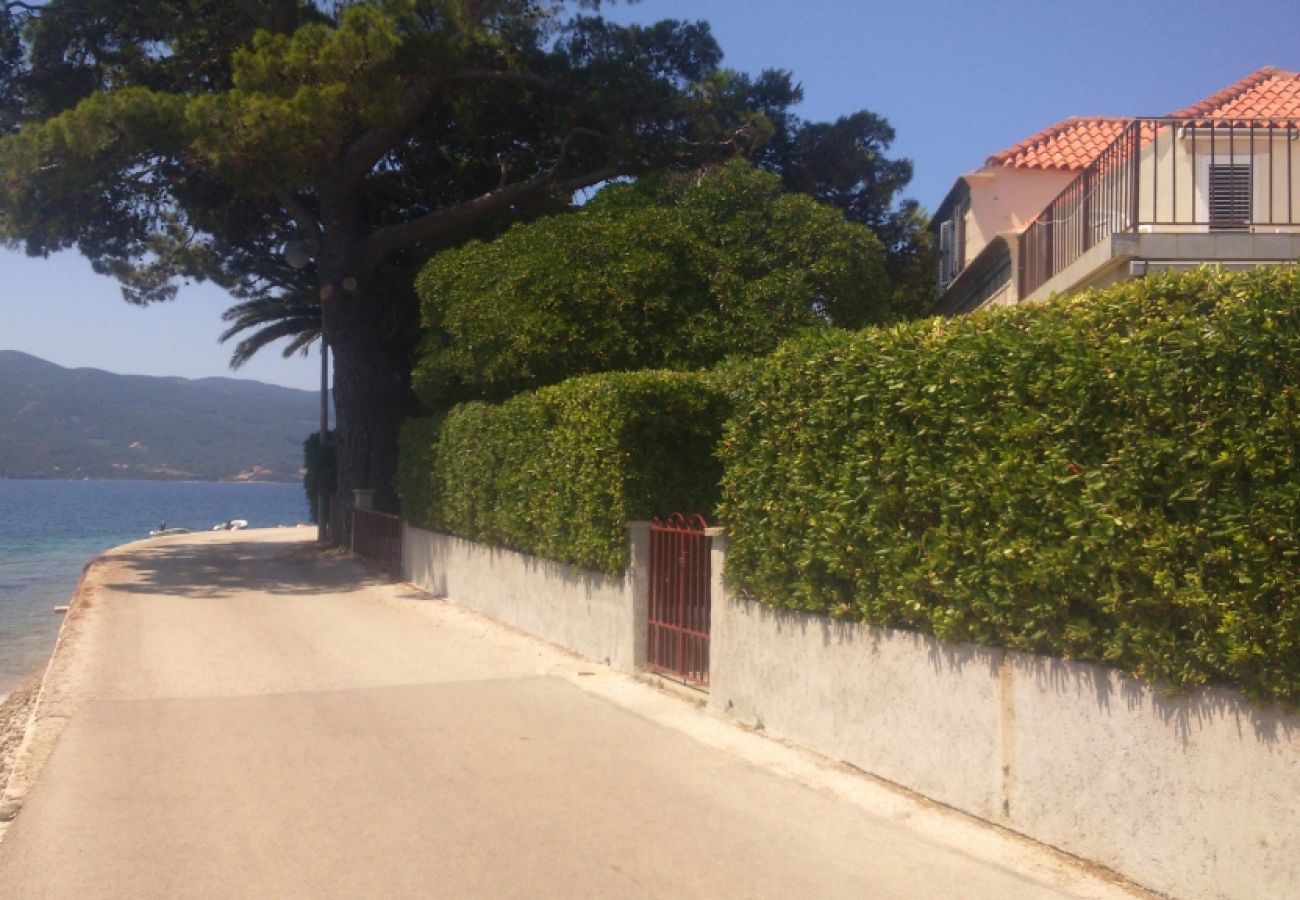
58, 422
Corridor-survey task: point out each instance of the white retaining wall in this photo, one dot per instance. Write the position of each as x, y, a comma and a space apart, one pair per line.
599, 616
1197, 796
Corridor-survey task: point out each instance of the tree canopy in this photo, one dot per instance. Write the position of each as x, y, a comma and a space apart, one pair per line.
673, 271
172, 139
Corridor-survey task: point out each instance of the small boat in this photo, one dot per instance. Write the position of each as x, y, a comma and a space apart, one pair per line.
163, 532
232, 525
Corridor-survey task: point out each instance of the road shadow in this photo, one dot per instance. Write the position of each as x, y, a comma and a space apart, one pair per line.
217, 570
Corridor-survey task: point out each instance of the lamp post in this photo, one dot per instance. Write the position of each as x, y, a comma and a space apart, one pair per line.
298, 254
322, 501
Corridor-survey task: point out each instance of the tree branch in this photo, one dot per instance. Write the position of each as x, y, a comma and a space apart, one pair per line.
359, 158
385, 241
298, 211
276, 16
528, 78
560, 159
367, 150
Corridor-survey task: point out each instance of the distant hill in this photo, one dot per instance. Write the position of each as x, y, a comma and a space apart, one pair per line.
87, 423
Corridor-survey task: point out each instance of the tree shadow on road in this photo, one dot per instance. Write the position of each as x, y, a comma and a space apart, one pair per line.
216, 570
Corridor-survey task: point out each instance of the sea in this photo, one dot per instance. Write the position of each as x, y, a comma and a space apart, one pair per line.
49, 530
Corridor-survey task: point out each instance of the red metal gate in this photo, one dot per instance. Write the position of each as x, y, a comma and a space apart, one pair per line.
678, 626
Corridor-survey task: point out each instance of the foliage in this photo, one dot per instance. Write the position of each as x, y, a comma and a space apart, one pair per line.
1110, 477
559, 471
419, 477
180, 139
844, 164
269, 319
320, 470
193, 140
666, 273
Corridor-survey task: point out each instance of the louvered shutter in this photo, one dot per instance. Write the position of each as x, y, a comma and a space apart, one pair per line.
1230, 191
946, 272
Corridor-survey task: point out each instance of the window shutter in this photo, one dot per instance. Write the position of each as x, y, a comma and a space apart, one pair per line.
1230, 190
946, 272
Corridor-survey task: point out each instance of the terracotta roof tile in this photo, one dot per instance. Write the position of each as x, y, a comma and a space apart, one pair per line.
1071, 144
1269, 93
1075, 142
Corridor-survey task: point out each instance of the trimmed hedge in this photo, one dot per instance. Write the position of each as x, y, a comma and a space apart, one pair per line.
1109, 477
558, 472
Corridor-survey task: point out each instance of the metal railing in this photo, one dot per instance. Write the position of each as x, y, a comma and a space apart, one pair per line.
377, 537
1180, 174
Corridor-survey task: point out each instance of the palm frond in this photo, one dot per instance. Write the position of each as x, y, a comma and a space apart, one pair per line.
270, 319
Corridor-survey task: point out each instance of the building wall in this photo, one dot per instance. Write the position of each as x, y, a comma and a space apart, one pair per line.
1173, 186
988, 281
1122, 256
1005, 199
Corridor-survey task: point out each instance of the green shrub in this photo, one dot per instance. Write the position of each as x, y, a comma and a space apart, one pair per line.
1109, 477
559, 471
319, 471
417, 453
671, 272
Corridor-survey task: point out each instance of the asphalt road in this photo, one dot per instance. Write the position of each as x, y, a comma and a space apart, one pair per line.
236, 715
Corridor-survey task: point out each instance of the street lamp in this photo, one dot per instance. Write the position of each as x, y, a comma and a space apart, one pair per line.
298, 254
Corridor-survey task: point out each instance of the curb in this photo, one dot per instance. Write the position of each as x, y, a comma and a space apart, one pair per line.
25, 768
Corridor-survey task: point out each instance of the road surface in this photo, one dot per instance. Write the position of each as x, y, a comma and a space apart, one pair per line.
239, 715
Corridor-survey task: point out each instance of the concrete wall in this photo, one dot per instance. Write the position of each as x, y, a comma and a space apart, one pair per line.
599, 616
1121, 256
1197, 796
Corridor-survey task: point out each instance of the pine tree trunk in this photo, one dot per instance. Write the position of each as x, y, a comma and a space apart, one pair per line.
370, 393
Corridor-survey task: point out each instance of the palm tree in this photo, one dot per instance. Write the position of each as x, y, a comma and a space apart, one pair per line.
271, 318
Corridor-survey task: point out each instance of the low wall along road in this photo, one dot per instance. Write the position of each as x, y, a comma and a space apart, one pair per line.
1193, 795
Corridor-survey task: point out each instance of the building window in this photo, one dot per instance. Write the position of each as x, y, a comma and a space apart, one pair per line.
952, 247
1230, 195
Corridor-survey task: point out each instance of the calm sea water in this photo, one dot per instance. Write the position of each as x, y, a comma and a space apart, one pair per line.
49, 529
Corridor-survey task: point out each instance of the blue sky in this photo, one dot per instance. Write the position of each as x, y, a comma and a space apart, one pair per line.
957, 80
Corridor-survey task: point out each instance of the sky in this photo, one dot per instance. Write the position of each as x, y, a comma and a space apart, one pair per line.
957, 80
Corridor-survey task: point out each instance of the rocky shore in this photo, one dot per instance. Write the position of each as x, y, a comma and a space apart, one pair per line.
15, 711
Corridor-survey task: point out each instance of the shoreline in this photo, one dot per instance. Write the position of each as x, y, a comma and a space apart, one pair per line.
22, 750
26, 735
151, 480
15, 715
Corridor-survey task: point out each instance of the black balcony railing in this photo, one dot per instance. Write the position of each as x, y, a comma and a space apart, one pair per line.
1183, 175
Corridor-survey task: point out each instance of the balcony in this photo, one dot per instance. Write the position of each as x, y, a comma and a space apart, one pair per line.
1186, 190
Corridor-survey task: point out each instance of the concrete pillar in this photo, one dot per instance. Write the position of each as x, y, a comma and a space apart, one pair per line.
638, 585
719, 610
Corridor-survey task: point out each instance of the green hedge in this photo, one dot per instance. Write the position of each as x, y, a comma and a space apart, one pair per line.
1110, 477
559, 471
